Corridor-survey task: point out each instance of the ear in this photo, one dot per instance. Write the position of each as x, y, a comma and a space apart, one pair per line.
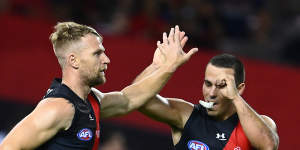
241, 88
73, 60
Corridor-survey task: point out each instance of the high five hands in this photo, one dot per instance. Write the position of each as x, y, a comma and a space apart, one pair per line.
170, 52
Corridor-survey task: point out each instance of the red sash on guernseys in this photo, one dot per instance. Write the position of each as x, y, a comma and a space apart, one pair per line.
96, 107
238, 140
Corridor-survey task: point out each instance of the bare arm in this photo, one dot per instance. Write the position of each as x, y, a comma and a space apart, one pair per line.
260, 130
171, 111
138, 93
132, 96
49, 117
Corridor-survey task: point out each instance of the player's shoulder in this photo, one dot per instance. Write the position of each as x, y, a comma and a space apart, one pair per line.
53, 113
184, 108
55, 103
181, 104
56, 107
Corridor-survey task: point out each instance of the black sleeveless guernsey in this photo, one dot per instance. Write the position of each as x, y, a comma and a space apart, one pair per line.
202, 132
84, 132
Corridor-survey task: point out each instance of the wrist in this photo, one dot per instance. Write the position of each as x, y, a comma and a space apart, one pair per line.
169, 68
237, 99
154, 66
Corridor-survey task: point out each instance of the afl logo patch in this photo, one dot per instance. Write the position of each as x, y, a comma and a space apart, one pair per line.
85, 134
197, 145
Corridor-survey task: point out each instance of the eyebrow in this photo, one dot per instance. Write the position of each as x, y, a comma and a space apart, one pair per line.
98, 50
205, 80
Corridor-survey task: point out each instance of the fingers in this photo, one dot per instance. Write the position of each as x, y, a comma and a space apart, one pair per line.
158, 43
183, 41
181, 35
160, 47
225, 80
220, 83
165, 38
191, 53
177, 35
230, 80
171, 35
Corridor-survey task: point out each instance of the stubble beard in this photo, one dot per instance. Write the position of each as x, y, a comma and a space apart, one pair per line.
97, 80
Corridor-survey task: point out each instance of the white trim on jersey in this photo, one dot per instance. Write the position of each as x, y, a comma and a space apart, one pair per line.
98, 94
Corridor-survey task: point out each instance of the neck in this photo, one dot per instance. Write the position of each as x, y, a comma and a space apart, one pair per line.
229, 112
75, 83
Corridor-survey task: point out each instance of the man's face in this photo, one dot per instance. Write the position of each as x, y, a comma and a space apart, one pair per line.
93, 61
211, 91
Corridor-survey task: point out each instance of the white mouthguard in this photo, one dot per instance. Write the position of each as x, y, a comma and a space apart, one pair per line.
206, 104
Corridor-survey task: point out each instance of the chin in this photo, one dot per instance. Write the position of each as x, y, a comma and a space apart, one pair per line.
212, 113
97, 81
103, 80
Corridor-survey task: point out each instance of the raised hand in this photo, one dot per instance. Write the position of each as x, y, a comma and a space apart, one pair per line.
226, 85
170, 52
159, 58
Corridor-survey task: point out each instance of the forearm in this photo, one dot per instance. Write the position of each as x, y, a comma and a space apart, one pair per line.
146, 86
172, 111
168, 57
149, 70
260, 134
12, 145
5, 146
158, 107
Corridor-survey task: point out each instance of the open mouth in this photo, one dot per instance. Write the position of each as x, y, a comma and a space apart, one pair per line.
103, 70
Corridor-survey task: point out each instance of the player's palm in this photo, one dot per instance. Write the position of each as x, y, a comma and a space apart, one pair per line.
172, 50
227, 87
159, 59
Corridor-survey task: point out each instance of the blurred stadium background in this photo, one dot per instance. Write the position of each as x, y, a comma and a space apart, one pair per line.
265, 34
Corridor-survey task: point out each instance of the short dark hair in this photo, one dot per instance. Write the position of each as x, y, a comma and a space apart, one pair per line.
230, 61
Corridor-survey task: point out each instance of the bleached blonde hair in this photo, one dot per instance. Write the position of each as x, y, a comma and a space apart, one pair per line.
65, 34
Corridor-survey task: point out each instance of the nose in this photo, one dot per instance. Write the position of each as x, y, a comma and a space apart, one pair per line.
213, 92
106, 59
